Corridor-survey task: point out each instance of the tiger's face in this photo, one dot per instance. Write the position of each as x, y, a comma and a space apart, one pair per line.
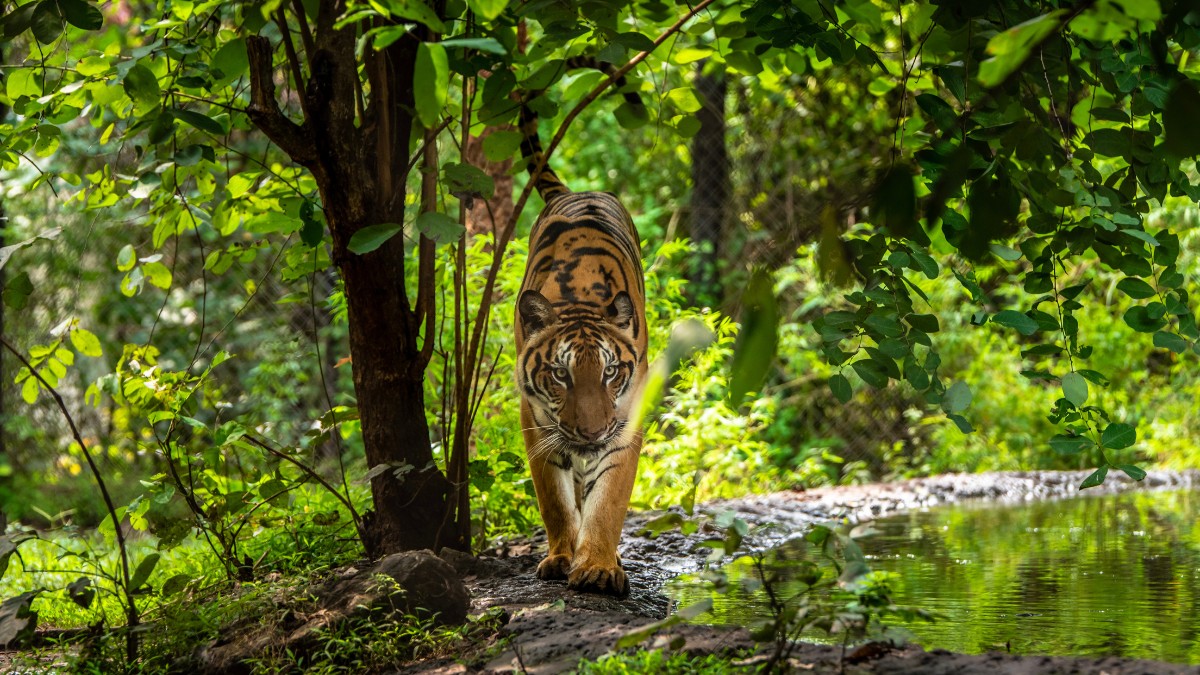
579, 372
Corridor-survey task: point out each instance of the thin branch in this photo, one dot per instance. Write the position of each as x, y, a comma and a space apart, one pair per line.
292, 57
306, 35
358, 523
426, 309
131, 614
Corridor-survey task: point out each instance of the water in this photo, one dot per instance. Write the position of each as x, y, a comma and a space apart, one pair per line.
1090, 576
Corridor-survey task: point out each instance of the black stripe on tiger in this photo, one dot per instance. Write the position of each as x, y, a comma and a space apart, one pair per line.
546, 181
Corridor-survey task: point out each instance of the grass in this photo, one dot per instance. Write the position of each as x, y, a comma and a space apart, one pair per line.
659, 662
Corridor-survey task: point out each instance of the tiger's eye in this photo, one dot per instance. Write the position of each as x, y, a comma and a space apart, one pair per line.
560, 373
610, 371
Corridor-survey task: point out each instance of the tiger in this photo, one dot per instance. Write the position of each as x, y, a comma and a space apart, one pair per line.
581, 364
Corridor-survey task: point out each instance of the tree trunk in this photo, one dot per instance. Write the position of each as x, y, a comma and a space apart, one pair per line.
710, 187
360, 164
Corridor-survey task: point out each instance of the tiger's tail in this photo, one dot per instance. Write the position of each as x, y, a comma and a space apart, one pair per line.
547, 182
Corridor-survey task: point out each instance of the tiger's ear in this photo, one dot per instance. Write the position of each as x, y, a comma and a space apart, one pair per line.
536, 312
620, 311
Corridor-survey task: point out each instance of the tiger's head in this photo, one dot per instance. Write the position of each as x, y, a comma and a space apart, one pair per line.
580, 370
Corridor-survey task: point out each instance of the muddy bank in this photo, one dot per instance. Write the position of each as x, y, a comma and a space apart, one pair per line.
551, 628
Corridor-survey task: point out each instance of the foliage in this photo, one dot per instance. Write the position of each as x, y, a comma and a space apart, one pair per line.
654, 661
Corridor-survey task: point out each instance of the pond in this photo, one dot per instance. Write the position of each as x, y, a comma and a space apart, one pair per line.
1090, 576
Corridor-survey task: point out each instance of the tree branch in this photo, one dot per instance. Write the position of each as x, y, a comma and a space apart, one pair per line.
426, 279
292, 57
310, 45
264, 111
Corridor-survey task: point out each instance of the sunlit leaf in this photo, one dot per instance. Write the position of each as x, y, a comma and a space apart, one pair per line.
1075, 388
1009, 50
1118, 436
372, 237
430, 81
758, 337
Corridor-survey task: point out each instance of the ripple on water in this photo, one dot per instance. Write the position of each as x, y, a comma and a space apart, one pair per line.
1110, 575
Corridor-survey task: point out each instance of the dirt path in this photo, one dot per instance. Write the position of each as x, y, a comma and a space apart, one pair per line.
551, 628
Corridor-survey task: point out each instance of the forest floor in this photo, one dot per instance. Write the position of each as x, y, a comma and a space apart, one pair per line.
549, 628
542, 627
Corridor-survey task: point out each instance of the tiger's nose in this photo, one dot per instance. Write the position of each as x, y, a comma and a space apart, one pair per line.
590, 435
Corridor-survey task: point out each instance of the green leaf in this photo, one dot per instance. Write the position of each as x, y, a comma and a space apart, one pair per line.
1118, 436
175, 584
927, 323
1010, 49
142, 87
487, 45
17, 21
1140, 319
840, 386
1136, 288
1132, 471
231, 60
157, 274
47, 23
417, 10
463, 180
1179, 119
939, 111
372, 237
86, 343
201, 122
1075, 388
144, 569
29, 390
81, 14
1096, 478
635, 41
430, 81
957, 398
871, 373
1019, 321
961, 422
1070, 445
17, 290
634, 115
81, 592
1171, 341
1143, 236
543, 77
312, 232
758, 337
439, 227
22, 82
501, 145
488, 9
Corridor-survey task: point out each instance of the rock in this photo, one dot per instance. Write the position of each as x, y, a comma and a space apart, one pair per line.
412, 582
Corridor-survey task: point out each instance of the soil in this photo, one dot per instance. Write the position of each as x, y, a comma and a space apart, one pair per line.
550, 628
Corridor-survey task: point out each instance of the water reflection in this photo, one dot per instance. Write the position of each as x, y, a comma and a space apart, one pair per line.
1111, 575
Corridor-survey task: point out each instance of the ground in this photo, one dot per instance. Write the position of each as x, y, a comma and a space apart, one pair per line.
551, 628
541, 627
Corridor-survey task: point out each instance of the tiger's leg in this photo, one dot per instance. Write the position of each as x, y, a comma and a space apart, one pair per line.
554, 485
607, 485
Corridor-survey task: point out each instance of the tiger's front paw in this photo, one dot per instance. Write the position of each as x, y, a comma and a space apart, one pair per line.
554, 567
599, 579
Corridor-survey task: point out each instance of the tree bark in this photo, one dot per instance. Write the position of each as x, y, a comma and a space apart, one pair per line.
710, 187
360, 170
